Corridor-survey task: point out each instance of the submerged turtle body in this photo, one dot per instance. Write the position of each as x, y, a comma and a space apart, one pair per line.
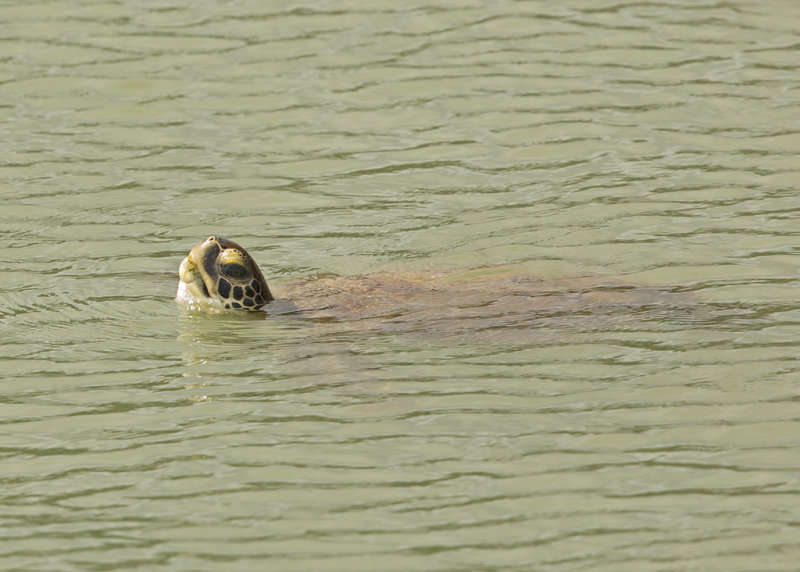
496, 303
218, 274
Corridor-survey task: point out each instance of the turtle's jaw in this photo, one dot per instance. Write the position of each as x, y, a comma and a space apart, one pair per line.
192, 289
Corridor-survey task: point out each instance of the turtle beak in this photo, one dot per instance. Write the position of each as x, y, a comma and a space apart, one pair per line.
193, 279
187, 269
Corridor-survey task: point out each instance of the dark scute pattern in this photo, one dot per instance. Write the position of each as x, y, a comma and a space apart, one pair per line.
224, 288
235, 305
249, 292
238, 293
256, 286
248, 302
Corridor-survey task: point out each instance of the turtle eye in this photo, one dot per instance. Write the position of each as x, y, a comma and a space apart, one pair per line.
234, 270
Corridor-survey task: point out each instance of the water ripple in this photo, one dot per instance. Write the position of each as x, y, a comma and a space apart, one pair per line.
647, 148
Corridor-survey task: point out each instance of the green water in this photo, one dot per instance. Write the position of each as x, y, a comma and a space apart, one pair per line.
652, 142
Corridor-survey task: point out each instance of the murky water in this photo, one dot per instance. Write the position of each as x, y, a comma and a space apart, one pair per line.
653, 144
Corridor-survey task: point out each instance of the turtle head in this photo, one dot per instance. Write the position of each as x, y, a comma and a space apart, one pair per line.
219, 274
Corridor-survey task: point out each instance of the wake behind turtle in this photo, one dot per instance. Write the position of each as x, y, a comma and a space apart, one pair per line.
218, 275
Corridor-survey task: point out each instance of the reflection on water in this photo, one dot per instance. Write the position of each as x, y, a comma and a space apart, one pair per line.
423, 417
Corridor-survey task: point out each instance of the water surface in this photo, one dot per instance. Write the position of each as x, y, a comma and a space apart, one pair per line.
648, 143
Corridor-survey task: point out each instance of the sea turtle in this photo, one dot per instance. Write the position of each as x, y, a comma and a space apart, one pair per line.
219, 275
